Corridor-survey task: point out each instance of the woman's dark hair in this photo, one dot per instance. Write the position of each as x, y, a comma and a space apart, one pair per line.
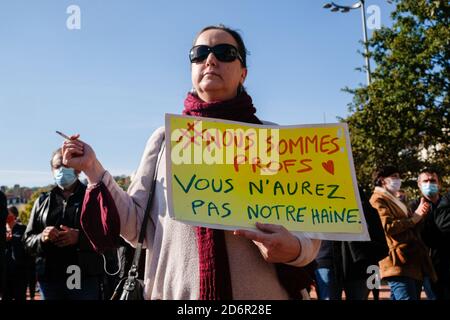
236, 36
383, 172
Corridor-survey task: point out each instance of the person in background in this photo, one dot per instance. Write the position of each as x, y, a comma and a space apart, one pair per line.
55, 237
30, 261
16, 260
344, 264
408, 262
3, 216
435, 231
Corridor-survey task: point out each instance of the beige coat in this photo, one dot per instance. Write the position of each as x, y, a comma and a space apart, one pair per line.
408, 256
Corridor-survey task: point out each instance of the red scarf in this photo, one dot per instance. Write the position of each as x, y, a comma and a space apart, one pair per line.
238, 109
215, 279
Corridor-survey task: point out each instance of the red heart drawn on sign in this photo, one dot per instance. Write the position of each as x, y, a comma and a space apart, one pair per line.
329, 166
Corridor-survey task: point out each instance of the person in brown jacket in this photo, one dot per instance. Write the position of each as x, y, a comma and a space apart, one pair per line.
408, 261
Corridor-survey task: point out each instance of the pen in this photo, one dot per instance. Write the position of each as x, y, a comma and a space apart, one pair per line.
62, 135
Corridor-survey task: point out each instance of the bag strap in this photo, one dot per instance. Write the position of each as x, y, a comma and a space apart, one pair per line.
132, 273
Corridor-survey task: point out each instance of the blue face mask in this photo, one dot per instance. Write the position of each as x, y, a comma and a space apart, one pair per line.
429, 189
64, 177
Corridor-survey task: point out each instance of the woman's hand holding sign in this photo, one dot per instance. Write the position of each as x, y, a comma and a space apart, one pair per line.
276, 243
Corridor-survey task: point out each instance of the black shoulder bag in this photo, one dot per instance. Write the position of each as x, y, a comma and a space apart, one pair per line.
130, 287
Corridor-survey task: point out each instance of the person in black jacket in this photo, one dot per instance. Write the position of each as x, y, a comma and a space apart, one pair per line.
436, 229
343, 265
66, 265
16, 258
3, 215
26, 260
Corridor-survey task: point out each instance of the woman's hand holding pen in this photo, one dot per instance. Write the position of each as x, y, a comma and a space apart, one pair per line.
80, 156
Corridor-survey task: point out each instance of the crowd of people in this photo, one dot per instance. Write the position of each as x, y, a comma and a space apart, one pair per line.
84, 226
409, 243
44, 250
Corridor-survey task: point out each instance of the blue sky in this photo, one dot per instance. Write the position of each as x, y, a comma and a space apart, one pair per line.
113, 80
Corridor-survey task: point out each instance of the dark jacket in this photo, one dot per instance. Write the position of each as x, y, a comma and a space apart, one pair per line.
358, 255
3, 215
51, 209
435, 232
16, 257
350, 259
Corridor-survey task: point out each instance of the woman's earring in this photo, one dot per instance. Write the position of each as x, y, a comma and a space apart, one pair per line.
240, 89
193, 91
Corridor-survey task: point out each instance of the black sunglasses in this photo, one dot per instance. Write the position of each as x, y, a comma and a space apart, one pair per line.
223, 52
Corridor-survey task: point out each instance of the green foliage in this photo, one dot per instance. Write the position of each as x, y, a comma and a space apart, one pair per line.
123, 181
24, 216
405, 110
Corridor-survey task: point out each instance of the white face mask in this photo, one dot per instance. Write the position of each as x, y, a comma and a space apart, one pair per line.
65, 177
393, 184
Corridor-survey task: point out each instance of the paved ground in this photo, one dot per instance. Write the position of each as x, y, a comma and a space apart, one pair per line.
384, 294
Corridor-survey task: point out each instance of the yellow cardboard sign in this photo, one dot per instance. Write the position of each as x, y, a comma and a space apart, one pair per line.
229, 175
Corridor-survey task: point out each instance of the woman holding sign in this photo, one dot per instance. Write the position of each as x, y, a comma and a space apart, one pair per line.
183, 261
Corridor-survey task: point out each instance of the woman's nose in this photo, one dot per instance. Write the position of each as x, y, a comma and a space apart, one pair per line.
211, 59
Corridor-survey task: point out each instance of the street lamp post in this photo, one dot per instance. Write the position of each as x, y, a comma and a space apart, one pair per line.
358, 5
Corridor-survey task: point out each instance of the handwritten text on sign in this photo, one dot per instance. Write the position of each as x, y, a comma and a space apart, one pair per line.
229, 175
